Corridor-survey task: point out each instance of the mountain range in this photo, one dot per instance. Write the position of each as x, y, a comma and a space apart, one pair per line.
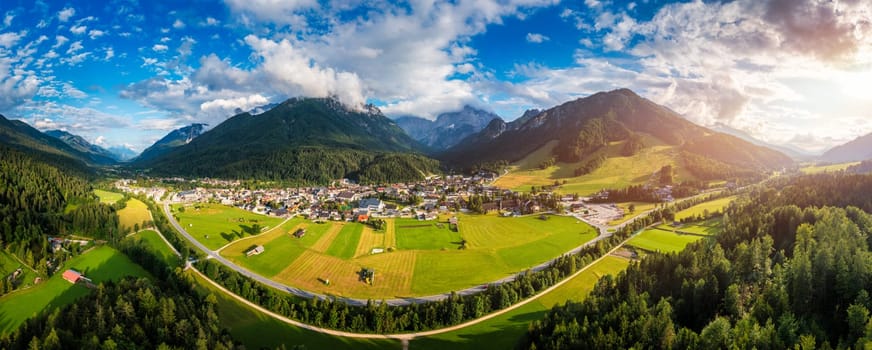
855, 150
304, 139
582, 127
319, 139
20, 135
448, 128
176, 138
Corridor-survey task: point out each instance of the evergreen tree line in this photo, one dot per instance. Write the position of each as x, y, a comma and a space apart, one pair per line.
789, 270
38, 200
309, 165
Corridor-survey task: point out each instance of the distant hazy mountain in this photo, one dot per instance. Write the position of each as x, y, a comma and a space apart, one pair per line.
855, 150
122, 153
19, 135
793, 152
175, 138
304, 140
448, 128
586, 125
96, 154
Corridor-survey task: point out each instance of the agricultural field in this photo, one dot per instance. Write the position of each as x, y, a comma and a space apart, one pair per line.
828, 168
616, 172
107, 197
215, 225
258, 331
100, 264
420, 257
504, 331
135, 212
709, 227
153, 241
425, 235
657, 240
700, 209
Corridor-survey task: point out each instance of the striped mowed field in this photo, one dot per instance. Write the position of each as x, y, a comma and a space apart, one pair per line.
425, 257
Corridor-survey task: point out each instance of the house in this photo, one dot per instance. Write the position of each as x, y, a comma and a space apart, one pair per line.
255, 251
346, 196
371, 204
452, 220
73, 276
299, 233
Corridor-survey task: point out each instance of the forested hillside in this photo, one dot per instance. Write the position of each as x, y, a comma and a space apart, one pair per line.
792, 268
38, 200
304, 140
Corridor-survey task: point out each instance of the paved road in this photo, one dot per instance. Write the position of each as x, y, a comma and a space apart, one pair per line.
361, 302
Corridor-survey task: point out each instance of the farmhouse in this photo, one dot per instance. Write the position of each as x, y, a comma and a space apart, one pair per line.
255, 251
74, 277
299, 233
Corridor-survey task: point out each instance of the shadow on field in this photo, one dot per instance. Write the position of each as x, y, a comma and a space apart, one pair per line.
496, 333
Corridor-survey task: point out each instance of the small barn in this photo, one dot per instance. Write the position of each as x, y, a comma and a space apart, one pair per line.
255, 251
72, 276
299, 233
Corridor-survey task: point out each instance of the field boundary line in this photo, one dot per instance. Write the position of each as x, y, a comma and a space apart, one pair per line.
257, 235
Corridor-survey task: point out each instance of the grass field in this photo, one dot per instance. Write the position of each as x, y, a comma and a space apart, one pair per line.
816, 169
425, 235
426, 259
215, 225
134, 213
258, 331
345, 244
616, 172
153, 240
709, 227
8, 265
657, 240
710, 206
101, 264
107, 197
504, 331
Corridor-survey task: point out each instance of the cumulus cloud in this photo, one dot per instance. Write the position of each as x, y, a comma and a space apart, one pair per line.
536, 38
281, 12
212, 22
178, 24
78, 30
96, 33
232, 106
9, 39
159, 48
60, 40
65, 14
291, 72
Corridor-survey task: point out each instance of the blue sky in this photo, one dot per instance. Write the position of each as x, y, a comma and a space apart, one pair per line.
126, 72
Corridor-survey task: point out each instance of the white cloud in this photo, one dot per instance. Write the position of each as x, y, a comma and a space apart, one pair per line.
100, 140
96, 33
159, 48
282, 12
65, 14
147, 61
7, 20
9, 39
78, 30
178, 24
110, 52
536, 38
60, 40
226, 107
75, 47
288, 70
212, 22
71, 91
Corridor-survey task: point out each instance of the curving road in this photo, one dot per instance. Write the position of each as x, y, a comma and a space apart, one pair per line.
213, 254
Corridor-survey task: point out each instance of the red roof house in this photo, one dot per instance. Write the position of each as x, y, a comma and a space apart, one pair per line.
72, 276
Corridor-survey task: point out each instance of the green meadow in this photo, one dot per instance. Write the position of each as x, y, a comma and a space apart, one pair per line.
107, 197
657, 240
716, 205
215, 225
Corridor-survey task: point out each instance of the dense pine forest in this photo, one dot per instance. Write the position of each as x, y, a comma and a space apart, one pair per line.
792, 268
